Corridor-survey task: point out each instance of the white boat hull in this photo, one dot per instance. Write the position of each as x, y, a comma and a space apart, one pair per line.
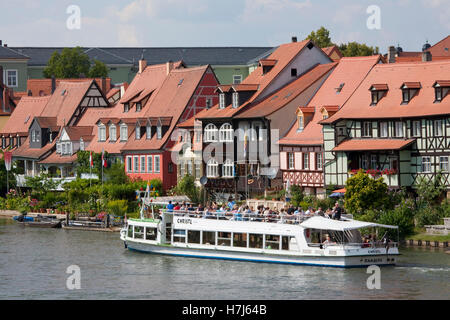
324, 261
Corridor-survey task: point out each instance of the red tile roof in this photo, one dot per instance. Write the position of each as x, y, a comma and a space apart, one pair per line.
349, 74
43, 87
77, 132
55, 158
170, 100
282, 97
333, 49
373, 144
25, 151
379, 87
390, 106
442, 48
25, 111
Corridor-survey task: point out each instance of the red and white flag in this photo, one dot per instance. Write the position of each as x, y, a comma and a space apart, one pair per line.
91, 160
8, 159
104, 163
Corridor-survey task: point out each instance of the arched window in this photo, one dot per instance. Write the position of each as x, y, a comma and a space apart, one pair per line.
212, 169
228, 169
226, 133
211, 133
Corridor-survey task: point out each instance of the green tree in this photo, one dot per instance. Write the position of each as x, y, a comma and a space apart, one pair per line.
98, 70
364, 193
430, 191
41, 184
321, 37
11, 176
296, 195
72, 63
355, 49
83, 165
186, 186
116, 174
402, 216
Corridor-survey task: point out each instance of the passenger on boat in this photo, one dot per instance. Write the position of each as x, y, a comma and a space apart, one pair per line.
170, 206
328, 241
337, 211
291, 209
282, 216
328, 214
320, 212
177, 206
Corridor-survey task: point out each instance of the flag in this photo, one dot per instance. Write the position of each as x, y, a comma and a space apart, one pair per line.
91, 160
147, 191
104, 163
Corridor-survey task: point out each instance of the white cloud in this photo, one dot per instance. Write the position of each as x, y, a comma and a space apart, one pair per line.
262, 9
127, 35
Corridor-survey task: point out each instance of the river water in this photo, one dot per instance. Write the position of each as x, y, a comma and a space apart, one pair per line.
34, 261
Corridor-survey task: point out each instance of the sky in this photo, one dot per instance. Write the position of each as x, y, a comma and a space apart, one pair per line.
204, 23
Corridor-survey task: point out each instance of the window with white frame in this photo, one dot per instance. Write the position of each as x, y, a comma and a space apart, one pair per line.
438, 128
101, 133
443, 163
81, 144
300, 123
237, 78
373, 161
209, 103
235, 100
11, 78
212, 168
148, 131
136, 164
64, 151
426, 164
126, 107
112, 132
291, 161
58, 148
211, 133
226, 133
129, 164
222, 100
142, 163
182, 168
157, 164
398, 129
367, 129
190, 169
306, 161
228, 169
319, 161
197, 169
158, 132
416, 128
384, 129
138, 106
123, 132
149, 164
138, 131
365, 162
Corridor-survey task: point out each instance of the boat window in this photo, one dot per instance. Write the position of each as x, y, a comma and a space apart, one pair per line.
138, 232
130, 231
150, 233
193, 236
179, 235
224, 238
256, 241
285, 242
209, 238
272, 242
240, 240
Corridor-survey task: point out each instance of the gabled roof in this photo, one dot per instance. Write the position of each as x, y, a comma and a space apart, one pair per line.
40, 87
8, 53
442, 48
47, 123
333, 49
282, 97
77, 132
24, 151
373, 144
24, 113
169, 103
395, 75
335, 91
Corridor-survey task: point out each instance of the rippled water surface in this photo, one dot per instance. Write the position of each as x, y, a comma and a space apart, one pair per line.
33, 264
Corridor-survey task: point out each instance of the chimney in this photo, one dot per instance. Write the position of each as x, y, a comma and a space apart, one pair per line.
53, 84
142, 65
392, 52
103, 87
122, 90
294, 39
169, 67
426, 56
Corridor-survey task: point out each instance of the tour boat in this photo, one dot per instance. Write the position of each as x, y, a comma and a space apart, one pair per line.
299, 241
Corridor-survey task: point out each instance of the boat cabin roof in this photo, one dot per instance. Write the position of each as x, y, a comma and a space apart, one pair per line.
340, 225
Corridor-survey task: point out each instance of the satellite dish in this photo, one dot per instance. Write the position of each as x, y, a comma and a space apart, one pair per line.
203, 180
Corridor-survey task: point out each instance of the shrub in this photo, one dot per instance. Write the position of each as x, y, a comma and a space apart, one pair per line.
117, 207
402, 216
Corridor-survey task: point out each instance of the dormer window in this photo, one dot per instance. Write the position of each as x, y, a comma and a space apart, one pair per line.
158, 132
138, 106
378, 91
301, 122
123, 132
126, 107
235, 99
409, 90
101, 133
112, 132
222, 100
138, 131
441, 88
148, 131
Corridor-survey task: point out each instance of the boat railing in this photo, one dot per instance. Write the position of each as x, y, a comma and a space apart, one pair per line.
236, 216
373, 245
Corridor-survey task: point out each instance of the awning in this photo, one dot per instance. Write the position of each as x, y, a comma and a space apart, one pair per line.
340, 225
373, 144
